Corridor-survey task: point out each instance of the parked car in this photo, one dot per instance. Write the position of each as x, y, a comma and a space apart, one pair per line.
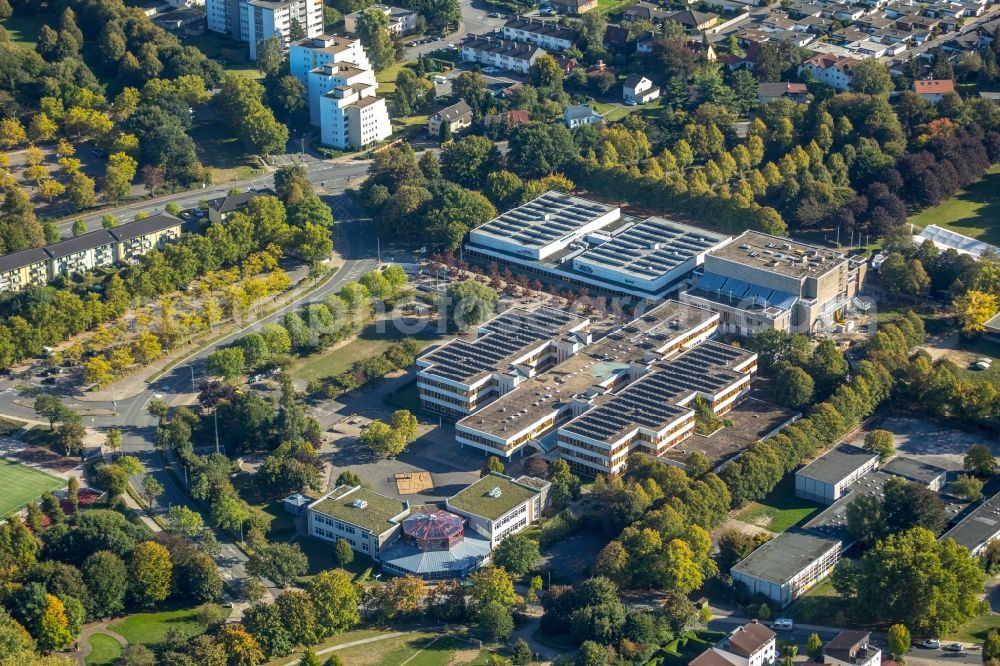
437, 78
954, 647
930, 644
982, 363
491, 70
783, 624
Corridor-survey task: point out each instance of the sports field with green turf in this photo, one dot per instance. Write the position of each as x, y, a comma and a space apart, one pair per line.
19, 484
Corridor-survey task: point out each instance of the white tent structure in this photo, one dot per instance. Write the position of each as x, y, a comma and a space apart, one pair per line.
945, 239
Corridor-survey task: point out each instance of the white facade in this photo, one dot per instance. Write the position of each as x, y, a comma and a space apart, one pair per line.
259, 20
352, 118
224, 17
548, 35
640, 91
831, 70
502, 54
329, 77
307, 54
401, 21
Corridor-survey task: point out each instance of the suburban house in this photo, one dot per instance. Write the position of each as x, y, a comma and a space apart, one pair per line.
573, 6
401, 21
933, 89
852, 648
546, 34
693, 20
576, 115
834, 71
768, 92
508, 119
458, 116
753, 644
646, 11
639, 90
221, 208
826, 478
501, 53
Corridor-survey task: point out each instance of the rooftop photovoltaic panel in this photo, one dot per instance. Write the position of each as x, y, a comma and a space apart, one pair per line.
545, 219
502, 337
652, 247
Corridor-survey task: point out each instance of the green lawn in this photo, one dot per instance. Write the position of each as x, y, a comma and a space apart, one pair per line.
7, 426
781, 509
607, 7
152, 628
23, 30
387, 77
974, 211
819, 606
104, 651
219, 150
232, 55
980, 348
320, 555
679, 651
370, 343
339, 639
976, 630
415, 649
19, 484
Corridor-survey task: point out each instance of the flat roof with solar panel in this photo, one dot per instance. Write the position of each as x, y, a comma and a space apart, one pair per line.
651, 401
652, 247
598, 364
587, 242
501, 340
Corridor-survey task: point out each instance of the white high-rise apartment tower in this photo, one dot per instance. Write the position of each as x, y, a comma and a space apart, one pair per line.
254, 21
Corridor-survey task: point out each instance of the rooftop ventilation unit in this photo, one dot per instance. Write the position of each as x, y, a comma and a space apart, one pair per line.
496, 492
359, 504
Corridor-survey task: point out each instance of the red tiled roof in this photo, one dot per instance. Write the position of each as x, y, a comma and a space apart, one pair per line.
934, 86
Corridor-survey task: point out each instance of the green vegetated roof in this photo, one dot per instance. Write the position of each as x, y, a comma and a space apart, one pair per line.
376, 516
476, 499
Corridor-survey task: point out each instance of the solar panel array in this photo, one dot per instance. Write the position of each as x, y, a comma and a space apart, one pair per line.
504, 335
738, 290
650, 401
544, 220
653, 247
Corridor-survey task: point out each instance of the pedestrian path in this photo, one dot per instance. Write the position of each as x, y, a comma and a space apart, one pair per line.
83, 643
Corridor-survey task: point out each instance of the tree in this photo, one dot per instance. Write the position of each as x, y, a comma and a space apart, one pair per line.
896, 576
270, 55
469, 302
184, 521
150, 572
227, 363
979, 460
522, 654
242, 648
899, 641
793, 386
118, 176
335, 602
151, 488
241, 101
496, 622
373, 29
871, 77
536, 149
907, 505
545, 73
880, 442
309, 658
12, 133
51, 408
991, 647
814, 647
517, 554
343, 554
973, 309
280, 562
80, 190
968, 487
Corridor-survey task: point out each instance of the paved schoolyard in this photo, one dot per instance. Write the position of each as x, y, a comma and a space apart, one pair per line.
931, 442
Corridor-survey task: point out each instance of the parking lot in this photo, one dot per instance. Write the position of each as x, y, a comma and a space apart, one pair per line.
931, 442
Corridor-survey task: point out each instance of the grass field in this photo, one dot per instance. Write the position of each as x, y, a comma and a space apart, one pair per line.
104, 650
219, 150
19, 484
370, 343
416, 649
387, 77
974, 211
23, 30
781, 509
233, 55
819, 606
976, 630
152, 628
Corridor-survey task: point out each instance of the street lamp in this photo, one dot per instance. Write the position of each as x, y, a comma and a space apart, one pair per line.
191, 368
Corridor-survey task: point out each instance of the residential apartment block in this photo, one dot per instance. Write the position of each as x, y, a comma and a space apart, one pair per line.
546, 34
834, 71
35, 267
401, 21
458, 116
501, 53
761, 282
255, 21
341, 90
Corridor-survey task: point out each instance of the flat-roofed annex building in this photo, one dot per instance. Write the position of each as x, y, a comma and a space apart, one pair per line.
370, 522
498, 506
760, 282
787, 566
588, 243
826, 478
463, 375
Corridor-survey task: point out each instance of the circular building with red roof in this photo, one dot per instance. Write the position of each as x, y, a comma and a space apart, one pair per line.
435, 531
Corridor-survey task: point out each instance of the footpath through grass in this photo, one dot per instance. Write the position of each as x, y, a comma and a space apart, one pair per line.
104, 651
413, 648
781, 509
19, 484
974, 211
